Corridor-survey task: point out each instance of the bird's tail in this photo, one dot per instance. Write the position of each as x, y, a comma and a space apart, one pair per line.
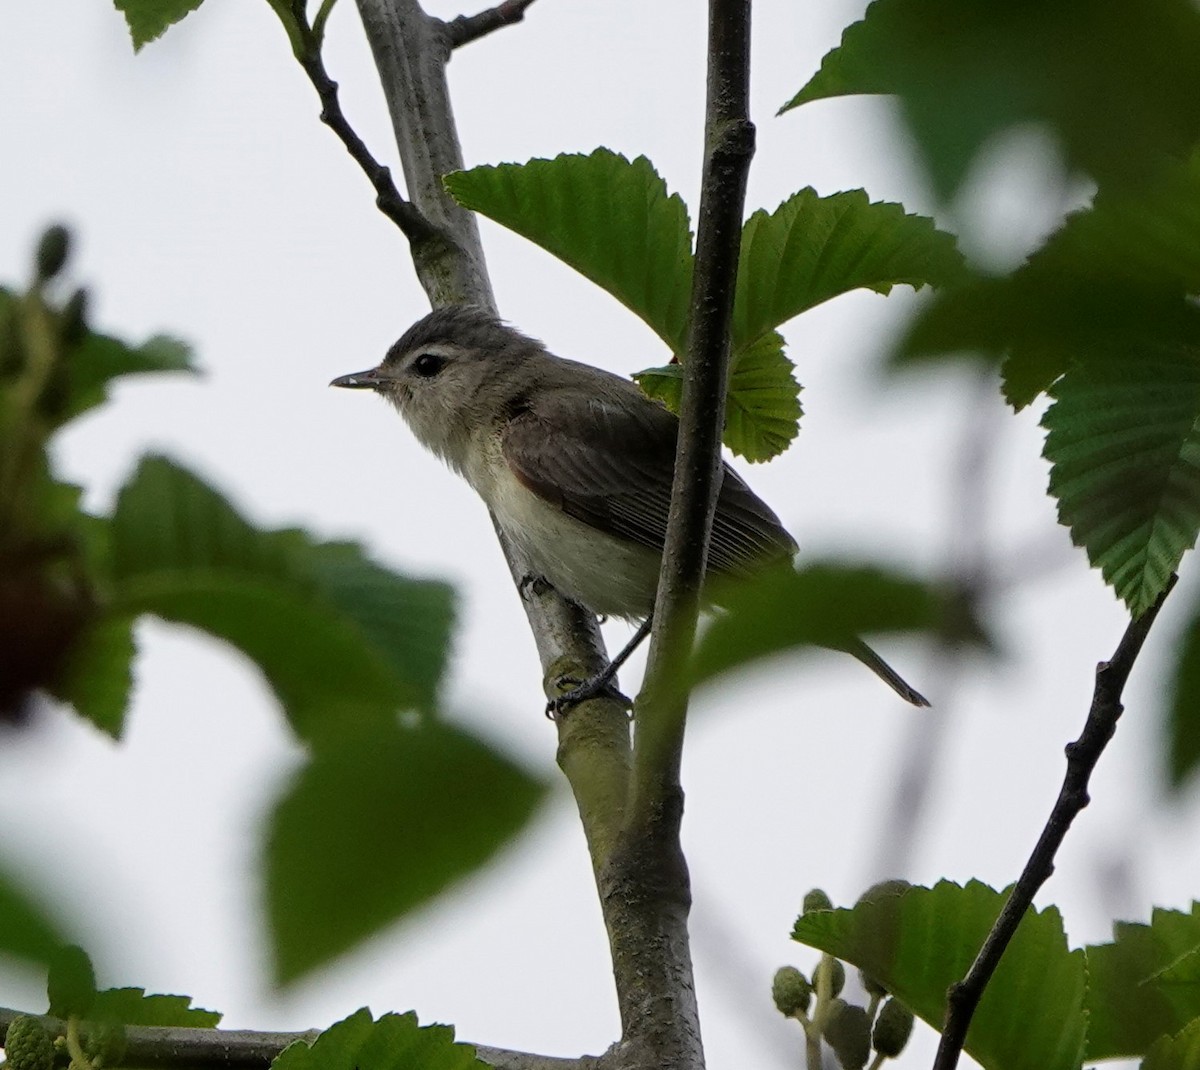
886, 673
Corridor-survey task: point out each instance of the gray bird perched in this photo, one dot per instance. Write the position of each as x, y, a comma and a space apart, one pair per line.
575, 464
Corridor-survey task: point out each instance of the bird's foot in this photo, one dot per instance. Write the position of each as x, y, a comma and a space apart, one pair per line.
599, 686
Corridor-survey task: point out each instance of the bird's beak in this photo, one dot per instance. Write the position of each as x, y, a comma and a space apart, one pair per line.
368, 380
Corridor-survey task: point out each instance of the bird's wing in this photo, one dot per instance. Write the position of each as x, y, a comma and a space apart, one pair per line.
608, 460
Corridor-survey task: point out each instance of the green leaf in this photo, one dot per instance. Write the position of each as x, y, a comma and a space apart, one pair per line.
762, 408
824, 605
1183, 712
131, 1006
98, 676
99, 359
71, 984
26, 931
1124, 448
916, 942
377, 826
1119, 97
813, 248
394, 1042
1132, 998
1110, 281
611, 220
339, 639
1179, 1052
149, 19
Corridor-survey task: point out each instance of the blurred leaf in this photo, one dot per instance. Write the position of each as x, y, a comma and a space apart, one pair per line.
339, 639
149, 19
611, 220
26, 931
762, 408
99, 359
813, 248
821, 605
71, 984
377, 826
394, 1042
1112, 280
1117, 83
1124, 448
1178, 1052
1183, 713
98, 675
131, 1006
1132, 999
916, 942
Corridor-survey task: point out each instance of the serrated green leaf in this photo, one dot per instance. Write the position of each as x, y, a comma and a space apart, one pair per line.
340, 640
1132, 1000
916, 942
131, 1006
149, 19
1124, 449
822, 605
966, 72
98, 675
377, 825
813, 248
99, 359
1178, 1052
762, 408
26, 929
1182, 742
394, 1042
609, 218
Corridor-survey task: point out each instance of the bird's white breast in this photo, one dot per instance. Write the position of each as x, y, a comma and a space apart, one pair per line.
608, 575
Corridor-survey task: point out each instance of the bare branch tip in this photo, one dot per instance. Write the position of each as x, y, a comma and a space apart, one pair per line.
467, 28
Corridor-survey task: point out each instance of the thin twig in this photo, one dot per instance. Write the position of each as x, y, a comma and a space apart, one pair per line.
467, 28
176, 1047
414, 226
1082, 756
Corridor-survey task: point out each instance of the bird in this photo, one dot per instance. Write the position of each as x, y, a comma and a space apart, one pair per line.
575, 464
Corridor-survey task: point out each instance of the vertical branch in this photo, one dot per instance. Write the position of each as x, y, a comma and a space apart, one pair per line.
729, 141
411, 51
645, 886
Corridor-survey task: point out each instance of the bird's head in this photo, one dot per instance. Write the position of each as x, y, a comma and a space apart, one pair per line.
450, 374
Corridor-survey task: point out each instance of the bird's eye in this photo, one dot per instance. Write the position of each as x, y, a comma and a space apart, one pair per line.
427, 365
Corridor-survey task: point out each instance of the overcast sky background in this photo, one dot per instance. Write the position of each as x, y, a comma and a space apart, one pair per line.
210, 203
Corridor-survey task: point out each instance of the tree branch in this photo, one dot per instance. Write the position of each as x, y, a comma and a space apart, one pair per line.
1082, 757
411, 53
467, 28
178, 1048
646, 884
413, 225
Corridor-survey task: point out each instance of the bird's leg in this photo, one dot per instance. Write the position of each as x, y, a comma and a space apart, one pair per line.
602, 682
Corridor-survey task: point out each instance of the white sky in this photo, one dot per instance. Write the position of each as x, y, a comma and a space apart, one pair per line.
209, 202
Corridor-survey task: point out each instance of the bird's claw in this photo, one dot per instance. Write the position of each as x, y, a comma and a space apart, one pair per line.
598, 686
